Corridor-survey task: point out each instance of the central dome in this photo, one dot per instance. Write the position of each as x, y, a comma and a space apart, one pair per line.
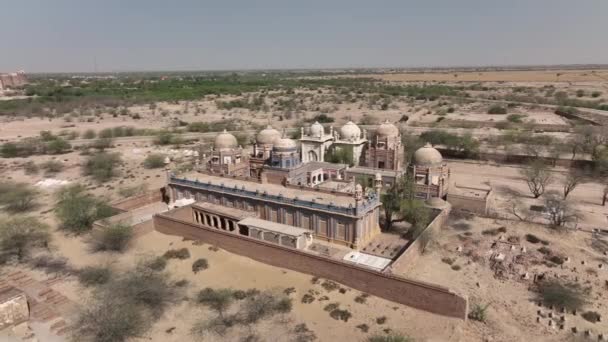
387, 130
267, 136
316, 129
350, 131
284, 144
427, 156
225, 141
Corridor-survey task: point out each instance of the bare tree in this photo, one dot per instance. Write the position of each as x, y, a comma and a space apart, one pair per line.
518, 209
558, 211
537, 176
573, 179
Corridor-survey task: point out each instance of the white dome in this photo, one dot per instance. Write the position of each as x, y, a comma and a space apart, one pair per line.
387, 130
267, 136
284, 144
225, 141
350, 131
427, 156
317, 130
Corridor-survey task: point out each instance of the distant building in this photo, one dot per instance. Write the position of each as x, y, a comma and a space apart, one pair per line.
12, 80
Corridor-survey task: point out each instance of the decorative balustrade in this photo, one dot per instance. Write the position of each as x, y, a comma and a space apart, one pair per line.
241, 191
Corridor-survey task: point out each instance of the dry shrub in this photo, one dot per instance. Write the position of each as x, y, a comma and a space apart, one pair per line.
200, 265
181, 254
94, 275
569, 296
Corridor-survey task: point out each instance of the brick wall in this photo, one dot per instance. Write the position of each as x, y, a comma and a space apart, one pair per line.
137, 201
408, 258
416, 294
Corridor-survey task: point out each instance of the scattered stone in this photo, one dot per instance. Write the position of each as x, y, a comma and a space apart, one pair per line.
512, 247
600, 337
523, 249
459, 249
574, 330
600, 266
551, 323
583, 262
587, 332
537, 319
567, 259
550, 314
526, 276
562, 327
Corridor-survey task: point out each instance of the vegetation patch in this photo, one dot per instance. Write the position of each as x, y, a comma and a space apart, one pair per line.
94, 275
181, 254
200, 265
566, 295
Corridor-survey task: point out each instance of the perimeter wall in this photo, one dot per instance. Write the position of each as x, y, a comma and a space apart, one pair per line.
419, 295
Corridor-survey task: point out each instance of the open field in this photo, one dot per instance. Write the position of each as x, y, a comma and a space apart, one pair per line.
549, 76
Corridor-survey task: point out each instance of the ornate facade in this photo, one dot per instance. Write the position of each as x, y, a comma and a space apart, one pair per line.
431, 174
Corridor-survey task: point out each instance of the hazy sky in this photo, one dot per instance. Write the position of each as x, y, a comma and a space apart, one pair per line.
69, 35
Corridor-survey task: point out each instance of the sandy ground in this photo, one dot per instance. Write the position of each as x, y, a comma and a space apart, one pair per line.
506, 179
512, 313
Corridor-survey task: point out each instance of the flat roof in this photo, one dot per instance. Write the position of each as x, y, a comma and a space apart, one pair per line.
468, 191
272, 189
254, 222
220, 209
373, 171
368, 260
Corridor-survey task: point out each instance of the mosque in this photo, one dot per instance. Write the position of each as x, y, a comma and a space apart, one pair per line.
375, 160
287, 192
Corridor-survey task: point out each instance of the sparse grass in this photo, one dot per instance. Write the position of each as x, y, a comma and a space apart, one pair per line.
478, 312
381, 320
181, 254
362, 298
456, 267
308, 298
330, 286
391, 337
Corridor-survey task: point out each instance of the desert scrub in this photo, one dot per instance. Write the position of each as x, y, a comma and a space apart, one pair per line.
182, 253
200, 265
94, 275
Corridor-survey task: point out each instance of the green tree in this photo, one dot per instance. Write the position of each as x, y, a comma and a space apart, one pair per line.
77, 210
101, 166
154, 161
58, 146
17, 197
115, 237
19, 235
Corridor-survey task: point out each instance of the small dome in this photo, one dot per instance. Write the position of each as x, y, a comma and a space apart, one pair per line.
317, 130
225, 141
427, 156
267, 136
387, 129
350, 131
284, 144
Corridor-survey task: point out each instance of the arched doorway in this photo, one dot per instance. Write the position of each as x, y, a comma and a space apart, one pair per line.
312, 156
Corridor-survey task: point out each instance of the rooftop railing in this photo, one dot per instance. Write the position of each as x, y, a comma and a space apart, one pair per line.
353, 210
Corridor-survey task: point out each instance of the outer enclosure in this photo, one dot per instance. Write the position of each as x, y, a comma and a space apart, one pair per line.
420, 295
